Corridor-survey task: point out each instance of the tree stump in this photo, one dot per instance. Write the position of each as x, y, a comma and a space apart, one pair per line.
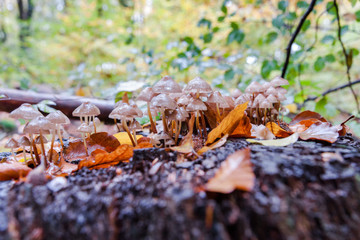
297, 195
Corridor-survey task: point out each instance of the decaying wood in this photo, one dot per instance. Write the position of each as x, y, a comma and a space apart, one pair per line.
14, 98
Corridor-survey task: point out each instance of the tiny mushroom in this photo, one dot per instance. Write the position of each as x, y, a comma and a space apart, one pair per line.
135, 126
58, 118
25, 142
87, 111
164, 102
197, 87
218, 99
83, 129
146, 95
12, 143
26, 111
166, 85
196, 106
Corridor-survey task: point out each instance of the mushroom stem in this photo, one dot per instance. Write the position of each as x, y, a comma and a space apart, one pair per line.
93, 119
117, 126
59, 134
218, 113
125, 127
24, 153
152, 124
43, 149
164, 120
86, 150
177, 130
52, 144
134, 133
13, 154
37, 162
198, 123
203, 124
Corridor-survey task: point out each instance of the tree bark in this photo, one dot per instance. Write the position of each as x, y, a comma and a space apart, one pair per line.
14, 98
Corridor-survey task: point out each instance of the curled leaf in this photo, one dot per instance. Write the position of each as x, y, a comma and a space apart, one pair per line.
13, 170
187, 144
343, 129
277, 130
277, 142
228, 124
243, 128
262, 132
235, 173
306, 115
214, 145
321, 131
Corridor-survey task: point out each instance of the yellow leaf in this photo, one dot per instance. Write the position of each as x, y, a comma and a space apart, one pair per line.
123, 138
216, 144
228, 124
277, 130
291, 107
277, 142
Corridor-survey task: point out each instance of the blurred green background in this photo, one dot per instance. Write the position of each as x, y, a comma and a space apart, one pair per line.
90, 47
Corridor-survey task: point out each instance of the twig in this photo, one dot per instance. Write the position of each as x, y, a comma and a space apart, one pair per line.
331, 90
293, 37
347, 62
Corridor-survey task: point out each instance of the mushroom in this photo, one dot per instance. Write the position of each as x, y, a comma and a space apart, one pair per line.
12, 143
88, 111
57, 118
166, 85
134, 126
279, 81
24, 142
264, 105
218, 99
198, 86
196, 106
26, 111
163, 102
146, 95
83, 129
236, 93
179, 115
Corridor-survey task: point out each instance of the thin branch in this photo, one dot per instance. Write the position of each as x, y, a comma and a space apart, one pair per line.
293, 37
331, 90
347, 61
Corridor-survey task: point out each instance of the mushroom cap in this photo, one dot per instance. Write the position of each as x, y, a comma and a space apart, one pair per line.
24, 141
265, 104
146, 95
254, 87
230, 101
259, 99
86, 109
163, 101
139, 113
236, 93
184, 100
38, 139
179, 115
271, 90
85, 128
271, 99
279, 81
166, 85
12, 143
97, 121
267, 85
198, 85
123, 111
242, 99
58, 117
281, 90
196, 105
37, 124
25, 111
217, 98
280, 97
135, 125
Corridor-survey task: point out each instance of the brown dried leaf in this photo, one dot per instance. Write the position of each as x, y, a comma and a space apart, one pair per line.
235, 173
321, 131
13, 170
144, 145
216, 144
187, 144
343, 129
277, 130
228, 124
100, 140
306, 115
243, 128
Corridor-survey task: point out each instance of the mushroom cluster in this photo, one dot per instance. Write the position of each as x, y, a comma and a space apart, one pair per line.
264, 100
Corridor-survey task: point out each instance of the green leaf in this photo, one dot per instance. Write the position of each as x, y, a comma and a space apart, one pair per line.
357, 14
282, 5
229, 75
207, 37
189, 40
344, 29
278, 22
235, 35
355, 51
215, 29
267, 67
224, 9
306, 25
331, 8
319, 64
330, 58
234, 25
320, 106
353, 2
291, 16
221, 19
271, 36
328, 39
204, 22
302, 4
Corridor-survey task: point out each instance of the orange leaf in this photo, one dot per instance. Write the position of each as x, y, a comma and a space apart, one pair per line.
321, 131
235, 173
306, 115
277, 130
228, 124
216, 144
343, 128
101, 159
243, 128
144, 145
13, 170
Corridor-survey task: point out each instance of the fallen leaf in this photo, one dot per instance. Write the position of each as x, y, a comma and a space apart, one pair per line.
123, 138
243, 128
13, 170
214, 145
277, 142
100, 140
101, 159
235, 173
321, 131
277, 130
306, 115
343, 129
187, 144
262, 132
144, 145
228, 124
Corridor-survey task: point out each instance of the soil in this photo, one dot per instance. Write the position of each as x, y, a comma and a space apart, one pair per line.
297, 195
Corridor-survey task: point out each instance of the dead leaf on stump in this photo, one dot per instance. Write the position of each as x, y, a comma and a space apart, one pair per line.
277, 130
243, 128
307, 115
13, 170
235, 173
